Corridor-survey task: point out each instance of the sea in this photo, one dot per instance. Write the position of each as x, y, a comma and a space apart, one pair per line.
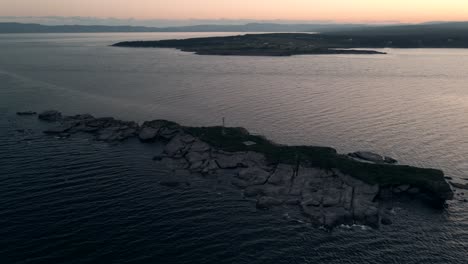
80, 201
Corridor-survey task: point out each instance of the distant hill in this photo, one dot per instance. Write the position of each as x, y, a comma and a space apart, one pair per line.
448, 29
37, 28
442, 28
251, 27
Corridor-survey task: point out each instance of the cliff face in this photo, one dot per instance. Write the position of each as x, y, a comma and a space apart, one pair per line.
329, 188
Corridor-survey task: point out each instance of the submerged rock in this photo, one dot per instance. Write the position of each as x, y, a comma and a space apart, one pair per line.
460, 185
26, 113
58, 129
386, 220
372, 157
50, 116
148, 133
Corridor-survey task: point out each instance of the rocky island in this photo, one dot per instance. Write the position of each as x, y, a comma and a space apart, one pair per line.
277, 44
329, 188
342, 42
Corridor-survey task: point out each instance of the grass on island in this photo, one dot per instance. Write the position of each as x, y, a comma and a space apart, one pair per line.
232, 140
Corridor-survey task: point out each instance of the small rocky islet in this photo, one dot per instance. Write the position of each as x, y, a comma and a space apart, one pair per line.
328, 188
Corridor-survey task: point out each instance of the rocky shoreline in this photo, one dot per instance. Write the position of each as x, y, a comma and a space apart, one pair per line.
328, 197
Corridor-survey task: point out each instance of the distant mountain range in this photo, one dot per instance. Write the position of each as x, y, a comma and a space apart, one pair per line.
250, 27
447, 27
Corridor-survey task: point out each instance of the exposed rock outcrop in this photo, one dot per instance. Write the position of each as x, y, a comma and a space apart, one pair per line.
50, 116
152, 130
26, 113
327, 197
372, 157
460, 185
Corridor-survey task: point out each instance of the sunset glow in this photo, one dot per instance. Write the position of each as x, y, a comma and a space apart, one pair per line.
336, 10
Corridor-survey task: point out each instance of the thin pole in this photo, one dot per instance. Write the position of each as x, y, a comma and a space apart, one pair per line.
223, 131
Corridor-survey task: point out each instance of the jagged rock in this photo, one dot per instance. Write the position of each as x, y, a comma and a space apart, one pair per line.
304, 177
196, 166
50, 116
150, 130
314, 213
265, 190
240, 184
210, 166
253, 175
386, 194
58, 129
106, 135
364, 207
331, 197
148, 133
282, 175
119, 131
64, 135
230, 161
313, 199
26, 113
390, 160
107, 129
193, 157
326, 197
199, 162
372, 157
401, 188
255, 159
347, 196
372, 217
274, 190
127, 133
413, 190
334, 216
173, 164
249, 143
386, 220
169, 132
179, 145
265, 202
459, 185
159, 157
82, 117
293, 201
368, 156
200, 146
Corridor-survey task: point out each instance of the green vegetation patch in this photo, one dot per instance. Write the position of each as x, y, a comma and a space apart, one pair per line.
234, 139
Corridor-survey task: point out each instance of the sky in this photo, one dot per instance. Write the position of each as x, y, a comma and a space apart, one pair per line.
407, 11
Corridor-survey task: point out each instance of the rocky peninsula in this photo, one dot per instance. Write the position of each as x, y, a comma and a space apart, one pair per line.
330, 189
277, 44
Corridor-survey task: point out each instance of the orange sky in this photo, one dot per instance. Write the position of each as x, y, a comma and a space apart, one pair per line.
338, 10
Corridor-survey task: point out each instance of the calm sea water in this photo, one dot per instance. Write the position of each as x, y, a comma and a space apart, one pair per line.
79, 201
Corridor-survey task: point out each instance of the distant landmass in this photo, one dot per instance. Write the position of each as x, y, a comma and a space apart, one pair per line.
251, 27
273, 44
287, 44
431, 30
446, 28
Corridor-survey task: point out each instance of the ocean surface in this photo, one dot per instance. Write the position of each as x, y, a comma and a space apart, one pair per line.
81, 201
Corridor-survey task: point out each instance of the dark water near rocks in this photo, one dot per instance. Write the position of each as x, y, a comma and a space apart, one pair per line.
80, 201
